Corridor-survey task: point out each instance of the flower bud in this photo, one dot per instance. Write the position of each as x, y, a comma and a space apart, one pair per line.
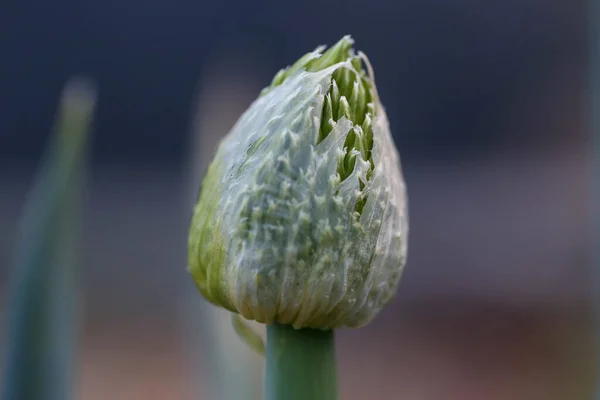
302, 216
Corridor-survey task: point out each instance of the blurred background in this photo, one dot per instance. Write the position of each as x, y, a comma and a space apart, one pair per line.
486, 103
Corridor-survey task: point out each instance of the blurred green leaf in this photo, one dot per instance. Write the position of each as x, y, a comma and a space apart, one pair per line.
41, 335
247, 335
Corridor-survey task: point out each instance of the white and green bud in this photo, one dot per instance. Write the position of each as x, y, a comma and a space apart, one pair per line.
302, 216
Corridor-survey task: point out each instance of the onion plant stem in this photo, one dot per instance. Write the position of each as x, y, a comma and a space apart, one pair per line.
300, 364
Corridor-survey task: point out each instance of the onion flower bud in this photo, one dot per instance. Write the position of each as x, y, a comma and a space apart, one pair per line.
302, 215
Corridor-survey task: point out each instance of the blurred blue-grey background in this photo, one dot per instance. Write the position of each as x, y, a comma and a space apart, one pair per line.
486, 101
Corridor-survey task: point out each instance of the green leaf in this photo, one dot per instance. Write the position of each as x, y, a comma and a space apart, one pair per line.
41, 326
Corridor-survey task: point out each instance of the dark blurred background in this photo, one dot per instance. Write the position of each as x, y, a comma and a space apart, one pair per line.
486, 103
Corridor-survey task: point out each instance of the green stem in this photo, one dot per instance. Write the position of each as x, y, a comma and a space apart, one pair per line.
300, 364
